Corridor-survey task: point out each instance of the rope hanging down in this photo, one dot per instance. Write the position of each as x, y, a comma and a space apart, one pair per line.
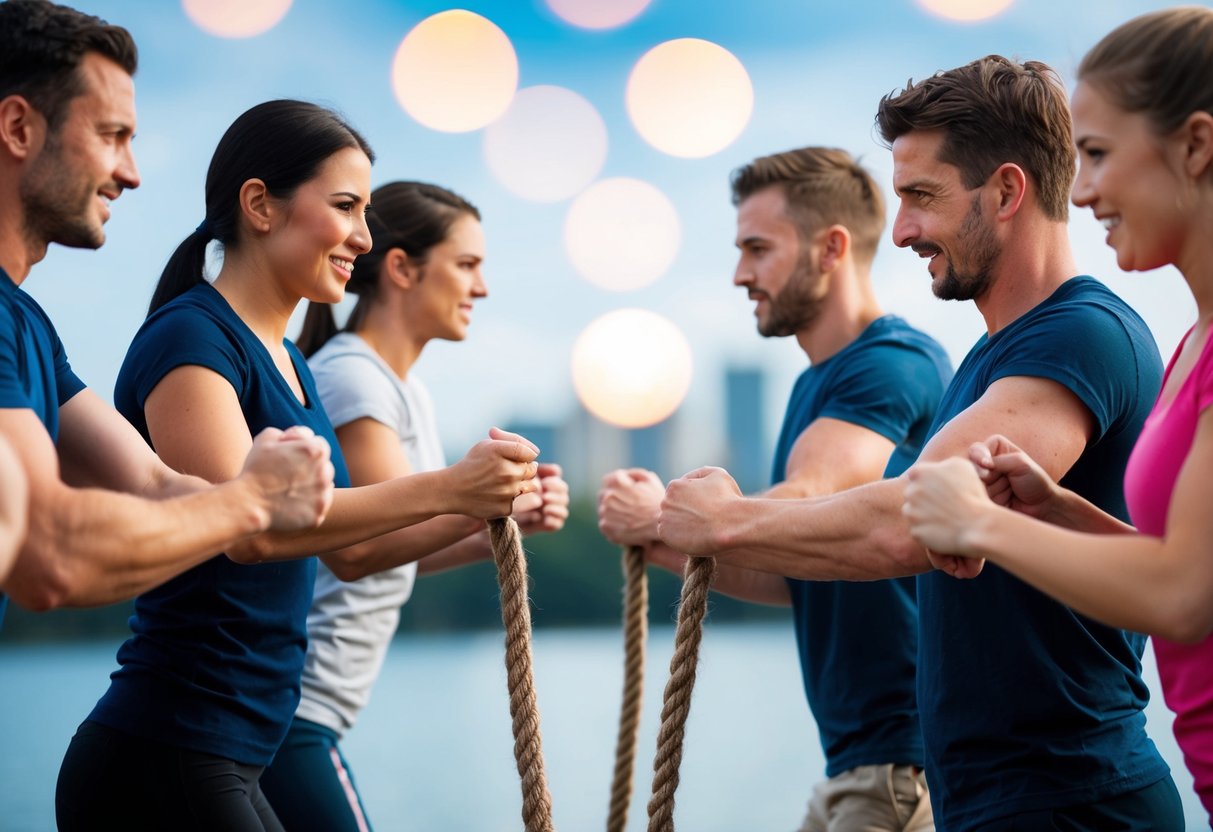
635, 632
524, 709
697, 581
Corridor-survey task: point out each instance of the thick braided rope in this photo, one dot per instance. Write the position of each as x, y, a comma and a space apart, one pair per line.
524, 709
635, 632
677, 699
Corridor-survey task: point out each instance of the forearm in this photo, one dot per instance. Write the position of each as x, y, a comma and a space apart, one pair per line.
1135, 582
734, 581
1071, 511
419, 542
358, 515
856, 535
471, 549
89, 547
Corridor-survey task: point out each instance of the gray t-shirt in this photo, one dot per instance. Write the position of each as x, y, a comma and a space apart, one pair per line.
351, 623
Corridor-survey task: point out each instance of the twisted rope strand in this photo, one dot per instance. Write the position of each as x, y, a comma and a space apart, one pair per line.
524, 709
676, 706
635, 632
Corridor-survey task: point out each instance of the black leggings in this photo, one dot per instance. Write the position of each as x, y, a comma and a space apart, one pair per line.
112, 780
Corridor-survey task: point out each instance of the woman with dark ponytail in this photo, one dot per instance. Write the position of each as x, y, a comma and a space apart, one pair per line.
418, 283
209, 680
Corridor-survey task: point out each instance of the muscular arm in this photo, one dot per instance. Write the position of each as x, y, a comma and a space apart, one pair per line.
14, 508
861, 534
829, 455
89, 546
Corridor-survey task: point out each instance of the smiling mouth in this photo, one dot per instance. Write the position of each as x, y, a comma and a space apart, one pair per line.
346, 266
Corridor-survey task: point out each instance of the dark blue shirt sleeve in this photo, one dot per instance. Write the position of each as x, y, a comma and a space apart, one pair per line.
1088, 349
177, 338
885, 388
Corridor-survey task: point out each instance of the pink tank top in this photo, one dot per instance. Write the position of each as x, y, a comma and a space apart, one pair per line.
1186, 670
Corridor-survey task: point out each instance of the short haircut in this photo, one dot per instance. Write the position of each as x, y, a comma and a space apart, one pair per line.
823, 186
993, 111
42, 44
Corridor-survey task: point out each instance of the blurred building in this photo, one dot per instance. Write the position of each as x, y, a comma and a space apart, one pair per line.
747, 449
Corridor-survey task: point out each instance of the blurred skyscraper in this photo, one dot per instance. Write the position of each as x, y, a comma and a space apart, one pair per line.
749, 458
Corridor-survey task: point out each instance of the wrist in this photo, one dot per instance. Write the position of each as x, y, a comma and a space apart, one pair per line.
251, 502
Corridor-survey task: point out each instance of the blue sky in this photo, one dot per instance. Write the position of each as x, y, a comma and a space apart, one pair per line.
818, 70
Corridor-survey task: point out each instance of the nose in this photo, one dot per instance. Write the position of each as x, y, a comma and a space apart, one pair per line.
1083, 193
479, 288
905, 228
741, 275
126, 173
360, 237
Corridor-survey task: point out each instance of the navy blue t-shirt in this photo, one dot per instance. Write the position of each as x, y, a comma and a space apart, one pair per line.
214, 661
1025, 704
34, 372
858, 641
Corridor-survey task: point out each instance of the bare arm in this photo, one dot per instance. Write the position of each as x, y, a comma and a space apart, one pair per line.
1133, 581
829, 455
90, 546
14, 508
198, 428
861, 534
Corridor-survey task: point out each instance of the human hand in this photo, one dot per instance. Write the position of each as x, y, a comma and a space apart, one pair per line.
291, 473
493, 473
547, 509
1012, 478
691, 511
942, 503
629, 504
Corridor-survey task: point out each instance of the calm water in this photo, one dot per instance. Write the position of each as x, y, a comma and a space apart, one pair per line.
433, 751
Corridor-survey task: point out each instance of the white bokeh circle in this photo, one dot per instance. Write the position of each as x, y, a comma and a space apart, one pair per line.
549, 145
622, 233
455, 71
689, 97
631, 368
968, 11
235, 18
598, 14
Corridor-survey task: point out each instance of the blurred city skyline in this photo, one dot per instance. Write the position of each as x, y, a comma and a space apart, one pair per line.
816, 71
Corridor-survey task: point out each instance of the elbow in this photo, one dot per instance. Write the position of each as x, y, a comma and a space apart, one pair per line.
348, 564
1186, 624
41, 580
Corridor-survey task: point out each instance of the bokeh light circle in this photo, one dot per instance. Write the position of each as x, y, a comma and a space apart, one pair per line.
598, 14
689, 97
549, 145
631, 368
622, 233
235, 18
455, 71
967, 11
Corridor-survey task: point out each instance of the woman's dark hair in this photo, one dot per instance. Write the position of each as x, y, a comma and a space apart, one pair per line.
283, 143
411, 216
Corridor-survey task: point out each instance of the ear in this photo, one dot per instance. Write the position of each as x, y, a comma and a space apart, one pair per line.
256, 205
835, 246
398, 269
1197, 133
1012, 185
22, 128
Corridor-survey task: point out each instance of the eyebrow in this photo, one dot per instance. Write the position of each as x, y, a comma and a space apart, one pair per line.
915, 185
350, 194
751, 240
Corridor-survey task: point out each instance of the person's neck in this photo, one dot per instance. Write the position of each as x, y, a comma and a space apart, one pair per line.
385, 333
257, 299
1026, 274
849, 308
18, 253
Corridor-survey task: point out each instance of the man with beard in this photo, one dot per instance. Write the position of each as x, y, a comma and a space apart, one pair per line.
1031, 714
67, 116
808, 223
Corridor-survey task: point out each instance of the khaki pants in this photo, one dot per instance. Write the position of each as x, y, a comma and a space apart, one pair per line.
883, 798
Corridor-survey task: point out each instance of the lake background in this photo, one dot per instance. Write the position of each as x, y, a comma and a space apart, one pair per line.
433, 750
